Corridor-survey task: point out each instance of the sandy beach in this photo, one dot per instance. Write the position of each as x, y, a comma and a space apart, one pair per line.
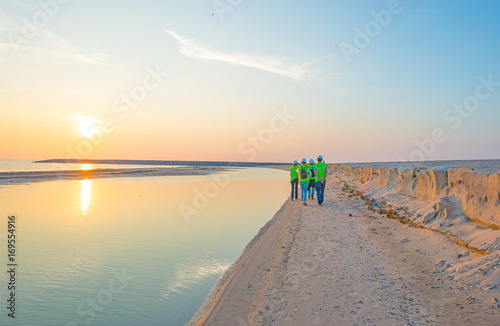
349, 262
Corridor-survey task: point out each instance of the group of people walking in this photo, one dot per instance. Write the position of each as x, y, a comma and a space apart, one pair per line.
311, 177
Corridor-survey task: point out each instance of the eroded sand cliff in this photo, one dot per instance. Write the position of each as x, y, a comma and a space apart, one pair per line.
462, 203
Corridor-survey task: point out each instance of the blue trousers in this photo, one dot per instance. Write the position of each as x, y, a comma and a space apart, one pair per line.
295, 188
303, 190
320, 189
310, 192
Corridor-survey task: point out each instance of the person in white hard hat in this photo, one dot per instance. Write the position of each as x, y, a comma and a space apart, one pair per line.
294, 179
312, 181
321, 173
304, 177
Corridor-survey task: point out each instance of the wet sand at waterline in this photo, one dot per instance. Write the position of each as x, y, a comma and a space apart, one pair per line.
345, 264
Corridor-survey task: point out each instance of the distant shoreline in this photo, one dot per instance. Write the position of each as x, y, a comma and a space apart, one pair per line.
27, 177
160, 162
158, 168
487, 166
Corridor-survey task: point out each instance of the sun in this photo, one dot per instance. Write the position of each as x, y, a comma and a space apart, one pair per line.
85, 166
87, 126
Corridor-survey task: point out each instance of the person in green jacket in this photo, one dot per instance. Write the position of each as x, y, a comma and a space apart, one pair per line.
312, 182
321, 173
294, 179
304, 177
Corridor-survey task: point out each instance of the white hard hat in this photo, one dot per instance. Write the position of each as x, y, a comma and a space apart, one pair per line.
304, 160
311, 161
295, 162
320, 157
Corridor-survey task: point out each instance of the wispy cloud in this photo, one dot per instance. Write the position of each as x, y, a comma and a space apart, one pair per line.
56, 47
55, 54
46, 44
276, 64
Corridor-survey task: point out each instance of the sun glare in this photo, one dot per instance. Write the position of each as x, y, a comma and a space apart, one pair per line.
88, 126
85, 197
85, 166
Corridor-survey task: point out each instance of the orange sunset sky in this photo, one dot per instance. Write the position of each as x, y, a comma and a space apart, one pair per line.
251, 81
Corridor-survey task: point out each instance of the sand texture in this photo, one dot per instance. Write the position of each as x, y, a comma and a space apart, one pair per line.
345, 263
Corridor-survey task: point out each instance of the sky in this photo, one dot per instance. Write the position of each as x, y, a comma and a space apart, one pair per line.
240, 80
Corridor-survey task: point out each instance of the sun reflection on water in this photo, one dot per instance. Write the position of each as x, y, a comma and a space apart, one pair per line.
85, 166
85, 198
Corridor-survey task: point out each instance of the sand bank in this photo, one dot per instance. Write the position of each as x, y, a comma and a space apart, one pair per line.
461, 203
343, 264
474, 188
16, 178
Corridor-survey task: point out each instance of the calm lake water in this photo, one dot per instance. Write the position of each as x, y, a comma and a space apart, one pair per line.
119, 251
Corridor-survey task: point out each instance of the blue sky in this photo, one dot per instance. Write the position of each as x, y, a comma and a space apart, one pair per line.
232, 64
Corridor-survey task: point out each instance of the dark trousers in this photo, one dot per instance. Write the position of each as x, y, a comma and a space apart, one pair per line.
295, 187
320, 191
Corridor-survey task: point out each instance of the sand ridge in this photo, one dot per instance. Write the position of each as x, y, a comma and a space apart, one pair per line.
341, 264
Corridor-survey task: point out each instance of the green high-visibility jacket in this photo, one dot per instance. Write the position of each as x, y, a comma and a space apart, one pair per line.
312, 167
321, 169
308, 174
293, 172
